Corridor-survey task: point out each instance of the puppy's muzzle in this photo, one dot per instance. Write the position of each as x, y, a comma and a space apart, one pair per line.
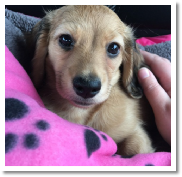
86, 87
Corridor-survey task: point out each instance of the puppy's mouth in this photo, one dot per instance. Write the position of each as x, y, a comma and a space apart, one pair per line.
82, 104
75, 100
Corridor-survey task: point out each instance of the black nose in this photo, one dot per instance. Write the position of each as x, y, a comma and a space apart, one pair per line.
86, 87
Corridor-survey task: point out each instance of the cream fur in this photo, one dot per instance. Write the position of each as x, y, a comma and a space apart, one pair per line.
112, 110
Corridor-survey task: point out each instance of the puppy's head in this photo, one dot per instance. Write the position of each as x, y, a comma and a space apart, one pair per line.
88, 49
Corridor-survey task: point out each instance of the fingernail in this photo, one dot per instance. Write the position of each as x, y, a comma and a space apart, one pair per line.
143, 73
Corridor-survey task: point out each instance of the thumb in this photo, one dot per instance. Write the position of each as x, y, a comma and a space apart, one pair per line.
159, 101
152, 89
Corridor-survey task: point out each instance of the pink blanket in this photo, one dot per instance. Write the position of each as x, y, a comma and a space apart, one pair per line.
144, 41
34, 136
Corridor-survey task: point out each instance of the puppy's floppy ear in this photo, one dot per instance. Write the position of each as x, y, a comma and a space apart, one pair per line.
37, 41
133, 61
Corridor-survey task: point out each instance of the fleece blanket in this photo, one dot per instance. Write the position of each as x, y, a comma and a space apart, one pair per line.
34, 136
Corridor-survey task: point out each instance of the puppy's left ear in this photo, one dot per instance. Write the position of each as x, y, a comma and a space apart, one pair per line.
133, 61
37, 43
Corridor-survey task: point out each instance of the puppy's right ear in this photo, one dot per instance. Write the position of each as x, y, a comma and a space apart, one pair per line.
38, 41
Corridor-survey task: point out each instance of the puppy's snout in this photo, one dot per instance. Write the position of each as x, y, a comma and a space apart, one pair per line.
86, 87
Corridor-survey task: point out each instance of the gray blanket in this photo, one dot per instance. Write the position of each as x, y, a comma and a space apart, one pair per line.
16, 24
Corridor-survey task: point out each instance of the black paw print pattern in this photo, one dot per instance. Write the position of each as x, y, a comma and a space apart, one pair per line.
15, 110
10, 141
92, 140
93, 143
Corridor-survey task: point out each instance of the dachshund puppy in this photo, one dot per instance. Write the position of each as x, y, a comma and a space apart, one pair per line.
85, 69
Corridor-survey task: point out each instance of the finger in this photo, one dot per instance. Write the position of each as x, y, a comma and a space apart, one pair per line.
161, 68
159, 101
152, 89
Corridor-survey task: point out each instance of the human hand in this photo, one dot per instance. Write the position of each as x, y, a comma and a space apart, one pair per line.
158, 92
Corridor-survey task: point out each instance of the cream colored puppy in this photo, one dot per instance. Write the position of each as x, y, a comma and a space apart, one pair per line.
84, 67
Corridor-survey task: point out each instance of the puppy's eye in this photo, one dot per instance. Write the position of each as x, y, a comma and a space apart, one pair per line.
66, 42
113, 50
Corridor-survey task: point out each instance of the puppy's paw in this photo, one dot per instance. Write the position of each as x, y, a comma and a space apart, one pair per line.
137, 143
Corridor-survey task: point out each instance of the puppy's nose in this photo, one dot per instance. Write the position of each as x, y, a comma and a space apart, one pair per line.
86, 87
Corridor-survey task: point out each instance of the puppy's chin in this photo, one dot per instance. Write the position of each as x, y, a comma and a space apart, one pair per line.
82, 104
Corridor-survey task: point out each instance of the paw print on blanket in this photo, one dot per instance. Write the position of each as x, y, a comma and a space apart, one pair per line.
92, 140
15, 110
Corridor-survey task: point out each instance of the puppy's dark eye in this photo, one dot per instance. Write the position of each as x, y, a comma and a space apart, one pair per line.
113, 50
66, 41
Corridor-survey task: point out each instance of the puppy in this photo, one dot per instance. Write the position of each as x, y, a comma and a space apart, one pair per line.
85, 69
